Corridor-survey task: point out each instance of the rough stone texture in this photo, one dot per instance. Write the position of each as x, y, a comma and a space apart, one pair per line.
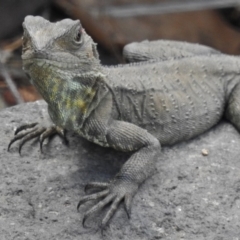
190, 196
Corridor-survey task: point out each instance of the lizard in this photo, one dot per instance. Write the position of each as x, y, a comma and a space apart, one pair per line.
136, 108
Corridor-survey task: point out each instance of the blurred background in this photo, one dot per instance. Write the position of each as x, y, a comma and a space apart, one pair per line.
112, 24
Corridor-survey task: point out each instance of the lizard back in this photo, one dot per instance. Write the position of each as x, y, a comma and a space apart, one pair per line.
176, 99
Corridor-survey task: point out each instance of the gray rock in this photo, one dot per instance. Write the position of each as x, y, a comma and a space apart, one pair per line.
190, 196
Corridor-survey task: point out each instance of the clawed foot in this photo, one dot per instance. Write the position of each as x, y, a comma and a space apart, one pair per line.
33, 131
114, 193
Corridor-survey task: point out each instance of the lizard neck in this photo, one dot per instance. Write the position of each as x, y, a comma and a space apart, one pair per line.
70, 96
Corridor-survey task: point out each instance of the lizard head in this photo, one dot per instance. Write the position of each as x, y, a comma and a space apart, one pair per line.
64, 45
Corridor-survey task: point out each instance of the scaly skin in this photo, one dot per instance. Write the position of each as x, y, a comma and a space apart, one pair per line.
164, 50
134, 108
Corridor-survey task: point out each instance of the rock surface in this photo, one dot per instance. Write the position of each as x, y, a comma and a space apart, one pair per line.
190, 196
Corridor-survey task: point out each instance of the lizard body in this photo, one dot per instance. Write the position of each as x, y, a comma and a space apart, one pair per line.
134, 108
164, 50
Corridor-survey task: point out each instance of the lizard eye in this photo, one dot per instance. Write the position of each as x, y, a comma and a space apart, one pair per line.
78, 36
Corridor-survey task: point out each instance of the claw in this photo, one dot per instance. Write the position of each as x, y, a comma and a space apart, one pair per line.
24, 127
62, 133
98, 207
10, 144
127, 205
111, 211
19, 136
83, 222
92, 197
96, 185
30, 136
41, 140
19, 149
45, 135
112, 193
33, 132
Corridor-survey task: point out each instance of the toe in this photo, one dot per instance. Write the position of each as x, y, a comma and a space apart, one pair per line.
111, 211
94, 196
24, 127
97, 207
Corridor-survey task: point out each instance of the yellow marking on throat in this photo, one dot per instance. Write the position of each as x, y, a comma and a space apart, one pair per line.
90, 92
69, 103
55, 89
80, 104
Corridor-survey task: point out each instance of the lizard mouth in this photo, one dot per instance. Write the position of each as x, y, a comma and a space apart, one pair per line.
59, 63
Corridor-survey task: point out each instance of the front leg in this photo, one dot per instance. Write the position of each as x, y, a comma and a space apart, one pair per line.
42, 130
34, 130
145, 147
